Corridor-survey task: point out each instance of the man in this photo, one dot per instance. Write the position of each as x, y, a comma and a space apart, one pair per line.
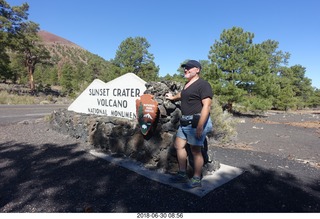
195, 123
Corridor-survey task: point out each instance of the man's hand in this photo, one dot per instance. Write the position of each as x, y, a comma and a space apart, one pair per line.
169, 96
199, 131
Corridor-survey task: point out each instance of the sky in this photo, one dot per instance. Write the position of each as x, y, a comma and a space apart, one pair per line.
178, 30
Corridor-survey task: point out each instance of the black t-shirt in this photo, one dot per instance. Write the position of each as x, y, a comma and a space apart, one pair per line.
192, 96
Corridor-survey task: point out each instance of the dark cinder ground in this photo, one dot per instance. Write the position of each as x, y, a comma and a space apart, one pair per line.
44, 171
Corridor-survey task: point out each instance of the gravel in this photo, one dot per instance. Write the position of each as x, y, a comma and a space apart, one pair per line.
42, 170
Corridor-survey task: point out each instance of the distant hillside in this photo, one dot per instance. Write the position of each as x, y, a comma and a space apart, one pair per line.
70, 65
65, 51
49, 38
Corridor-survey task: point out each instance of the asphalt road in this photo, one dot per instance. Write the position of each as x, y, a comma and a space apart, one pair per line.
17, 113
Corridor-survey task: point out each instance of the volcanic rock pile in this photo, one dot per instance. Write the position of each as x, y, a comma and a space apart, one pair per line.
122, 137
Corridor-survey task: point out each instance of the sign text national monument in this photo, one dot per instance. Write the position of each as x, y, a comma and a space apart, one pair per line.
114, 98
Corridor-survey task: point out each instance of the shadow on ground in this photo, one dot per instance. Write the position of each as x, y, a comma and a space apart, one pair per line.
53, 178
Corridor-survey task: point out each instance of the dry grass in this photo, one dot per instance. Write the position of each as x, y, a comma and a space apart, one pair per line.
11, 99
15, 99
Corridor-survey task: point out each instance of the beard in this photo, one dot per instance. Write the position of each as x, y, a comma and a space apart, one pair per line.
189, 75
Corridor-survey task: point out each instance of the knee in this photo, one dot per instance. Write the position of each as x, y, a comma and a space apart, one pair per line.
179, 147
179, 144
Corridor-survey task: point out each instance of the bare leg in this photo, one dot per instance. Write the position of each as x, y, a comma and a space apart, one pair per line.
181, 153
197, 160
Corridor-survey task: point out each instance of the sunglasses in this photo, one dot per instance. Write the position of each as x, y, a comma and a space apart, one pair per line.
187, 68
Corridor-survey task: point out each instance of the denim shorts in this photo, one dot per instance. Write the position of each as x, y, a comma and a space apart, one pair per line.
188, 133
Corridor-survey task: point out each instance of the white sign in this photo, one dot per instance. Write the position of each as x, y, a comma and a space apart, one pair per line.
115, 98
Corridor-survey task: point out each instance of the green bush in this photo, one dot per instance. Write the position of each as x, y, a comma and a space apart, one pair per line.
224, 125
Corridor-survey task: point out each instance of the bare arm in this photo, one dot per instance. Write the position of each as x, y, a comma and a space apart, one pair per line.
206, 106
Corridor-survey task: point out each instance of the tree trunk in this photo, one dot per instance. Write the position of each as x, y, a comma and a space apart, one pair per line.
31, 61
31, 81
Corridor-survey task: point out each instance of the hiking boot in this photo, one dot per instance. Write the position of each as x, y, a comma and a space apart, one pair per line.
194, 182
180, 177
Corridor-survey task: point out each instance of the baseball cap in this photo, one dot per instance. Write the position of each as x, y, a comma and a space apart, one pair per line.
191, 64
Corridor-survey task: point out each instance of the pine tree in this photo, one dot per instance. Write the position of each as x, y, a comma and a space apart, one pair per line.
133, 56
